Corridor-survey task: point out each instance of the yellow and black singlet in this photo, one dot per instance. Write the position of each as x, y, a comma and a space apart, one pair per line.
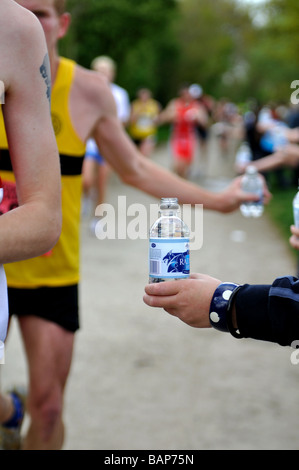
59, 267
146, 113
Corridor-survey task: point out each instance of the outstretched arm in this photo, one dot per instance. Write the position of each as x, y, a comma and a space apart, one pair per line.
287, 155
262, 312
144, 174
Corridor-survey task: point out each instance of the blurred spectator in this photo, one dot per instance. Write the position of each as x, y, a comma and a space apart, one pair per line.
95, 169
143, 121
185, 114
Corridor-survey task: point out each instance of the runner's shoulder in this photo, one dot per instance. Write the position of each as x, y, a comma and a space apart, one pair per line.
91, 85
21, 36
20, 23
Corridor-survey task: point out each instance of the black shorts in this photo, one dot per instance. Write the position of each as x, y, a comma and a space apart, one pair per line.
56, 304
137, 142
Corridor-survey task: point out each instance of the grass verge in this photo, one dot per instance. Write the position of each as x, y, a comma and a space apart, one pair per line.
280, 208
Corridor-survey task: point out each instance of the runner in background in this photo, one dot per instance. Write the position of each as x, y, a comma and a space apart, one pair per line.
185, 114
143, 121
95, 170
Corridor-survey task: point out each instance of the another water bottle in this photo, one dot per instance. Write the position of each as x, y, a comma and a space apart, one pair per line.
296, 208
252, 183
169, 257
1, 190
243, 157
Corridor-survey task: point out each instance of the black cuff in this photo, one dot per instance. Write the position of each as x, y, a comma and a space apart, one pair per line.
220, 308
251, 304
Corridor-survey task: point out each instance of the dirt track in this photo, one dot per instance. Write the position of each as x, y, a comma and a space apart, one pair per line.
142, 379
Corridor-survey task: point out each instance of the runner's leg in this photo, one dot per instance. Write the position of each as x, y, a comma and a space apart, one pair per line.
49, 352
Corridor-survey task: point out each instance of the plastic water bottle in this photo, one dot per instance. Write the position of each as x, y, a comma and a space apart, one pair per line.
169, 243
1, 190
252, 183
243, 157
279, 137
296, 208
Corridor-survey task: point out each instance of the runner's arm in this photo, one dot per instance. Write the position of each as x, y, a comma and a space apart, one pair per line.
34, 227
144, 174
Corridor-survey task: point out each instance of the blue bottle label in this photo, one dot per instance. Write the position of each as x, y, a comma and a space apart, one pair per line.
169, 258
296, 215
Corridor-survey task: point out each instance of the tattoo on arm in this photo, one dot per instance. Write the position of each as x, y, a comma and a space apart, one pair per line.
45, 73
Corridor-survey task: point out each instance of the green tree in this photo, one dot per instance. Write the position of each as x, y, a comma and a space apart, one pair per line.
220, 44
214, 37
237, 50
137, 35
275, 59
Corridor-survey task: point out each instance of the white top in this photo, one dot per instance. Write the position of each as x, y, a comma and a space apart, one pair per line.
3, 304
123, 108
122, 102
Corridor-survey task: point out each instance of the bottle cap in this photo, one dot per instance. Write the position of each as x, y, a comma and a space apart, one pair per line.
251, 170
169, 202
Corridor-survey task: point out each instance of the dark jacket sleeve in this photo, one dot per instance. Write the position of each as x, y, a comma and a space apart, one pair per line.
269, 312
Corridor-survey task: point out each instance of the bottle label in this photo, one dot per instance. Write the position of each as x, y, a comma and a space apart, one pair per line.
169, 258
296, 215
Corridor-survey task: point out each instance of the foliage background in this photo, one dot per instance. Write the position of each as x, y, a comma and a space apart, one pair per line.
243, 50
232, 48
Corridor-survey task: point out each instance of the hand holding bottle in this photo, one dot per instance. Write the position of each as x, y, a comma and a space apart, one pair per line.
189, 299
